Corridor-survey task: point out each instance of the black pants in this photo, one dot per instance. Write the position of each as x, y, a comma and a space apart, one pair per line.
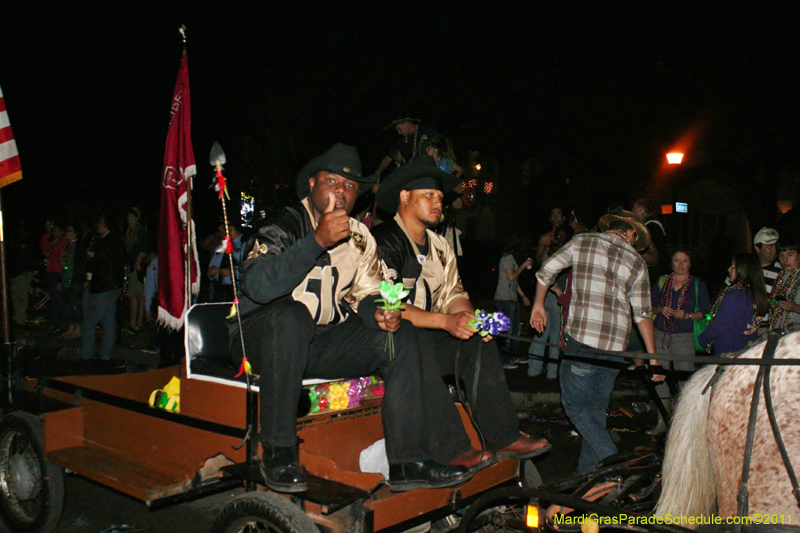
284, 346
489, 397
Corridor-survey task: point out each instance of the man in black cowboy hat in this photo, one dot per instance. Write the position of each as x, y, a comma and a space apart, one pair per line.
609, 286
414, 137
411, 254
309, 283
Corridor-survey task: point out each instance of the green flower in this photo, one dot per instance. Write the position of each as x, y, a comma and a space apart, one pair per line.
392, 296
392, 292
392, 299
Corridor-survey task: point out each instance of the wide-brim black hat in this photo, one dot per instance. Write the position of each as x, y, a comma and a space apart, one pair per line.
399, 119
339, 159
388, 195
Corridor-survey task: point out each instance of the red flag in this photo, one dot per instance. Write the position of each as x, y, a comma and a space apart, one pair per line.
10, 170
177, 253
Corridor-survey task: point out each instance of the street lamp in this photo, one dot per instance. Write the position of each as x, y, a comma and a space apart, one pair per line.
674, 158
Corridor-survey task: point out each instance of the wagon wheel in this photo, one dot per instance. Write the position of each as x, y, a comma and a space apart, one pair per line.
503, 511
497, 511
261, 512
31, 489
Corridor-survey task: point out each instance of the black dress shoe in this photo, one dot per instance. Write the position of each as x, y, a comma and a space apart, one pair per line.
281, 469
426, 475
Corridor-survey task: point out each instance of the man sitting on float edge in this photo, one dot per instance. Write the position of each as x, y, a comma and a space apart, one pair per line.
309, 283
440, 308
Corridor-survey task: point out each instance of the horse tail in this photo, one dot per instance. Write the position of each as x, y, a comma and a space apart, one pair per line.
689, 482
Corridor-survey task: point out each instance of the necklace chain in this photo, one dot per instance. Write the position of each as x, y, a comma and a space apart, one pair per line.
786, 285
620, 235
666, 301
414, 149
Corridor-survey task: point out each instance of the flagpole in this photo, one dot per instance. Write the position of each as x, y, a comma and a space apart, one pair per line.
10, 172
187, 280
176, 248
4, 282
9, 349
189, 247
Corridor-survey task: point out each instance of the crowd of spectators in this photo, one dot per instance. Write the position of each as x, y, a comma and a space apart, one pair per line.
760, 292
80, 271
96, 278
99, 278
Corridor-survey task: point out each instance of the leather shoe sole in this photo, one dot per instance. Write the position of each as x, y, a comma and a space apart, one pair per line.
426, 475
475, 460
300, 486
515, 452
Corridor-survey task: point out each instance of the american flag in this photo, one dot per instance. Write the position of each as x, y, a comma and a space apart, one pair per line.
10, 170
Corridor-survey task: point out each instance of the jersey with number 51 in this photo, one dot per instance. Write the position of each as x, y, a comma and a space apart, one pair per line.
282, 258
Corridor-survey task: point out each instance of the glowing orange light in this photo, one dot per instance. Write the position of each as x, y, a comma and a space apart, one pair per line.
477, 166
784, 206
532, 516
666, 209
674, 158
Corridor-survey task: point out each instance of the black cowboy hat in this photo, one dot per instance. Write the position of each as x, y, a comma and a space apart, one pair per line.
399, 119
339, 159
388, 195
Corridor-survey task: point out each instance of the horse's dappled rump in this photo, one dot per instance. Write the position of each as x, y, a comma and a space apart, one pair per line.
705, 445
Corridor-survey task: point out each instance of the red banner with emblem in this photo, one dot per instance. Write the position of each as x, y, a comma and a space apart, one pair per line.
178, 268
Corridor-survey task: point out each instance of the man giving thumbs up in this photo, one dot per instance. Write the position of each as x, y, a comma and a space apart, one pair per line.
309, 284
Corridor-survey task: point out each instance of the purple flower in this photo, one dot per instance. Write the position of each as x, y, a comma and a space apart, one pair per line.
354, 393
502, 318
490, 323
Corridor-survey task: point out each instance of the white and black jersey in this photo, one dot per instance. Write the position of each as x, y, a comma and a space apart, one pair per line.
770, 274
431, 277
283, 258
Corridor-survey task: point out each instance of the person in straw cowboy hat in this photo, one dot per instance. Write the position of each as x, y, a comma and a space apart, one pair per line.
609, 279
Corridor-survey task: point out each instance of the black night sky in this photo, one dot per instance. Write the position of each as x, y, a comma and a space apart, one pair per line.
593, 91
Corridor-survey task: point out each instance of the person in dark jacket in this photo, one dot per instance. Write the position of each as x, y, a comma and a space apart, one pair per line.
21, 270
105, 273
438, 306
309, 285
739, 309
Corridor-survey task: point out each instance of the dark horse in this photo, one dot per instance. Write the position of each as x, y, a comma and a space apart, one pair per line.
706, 443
